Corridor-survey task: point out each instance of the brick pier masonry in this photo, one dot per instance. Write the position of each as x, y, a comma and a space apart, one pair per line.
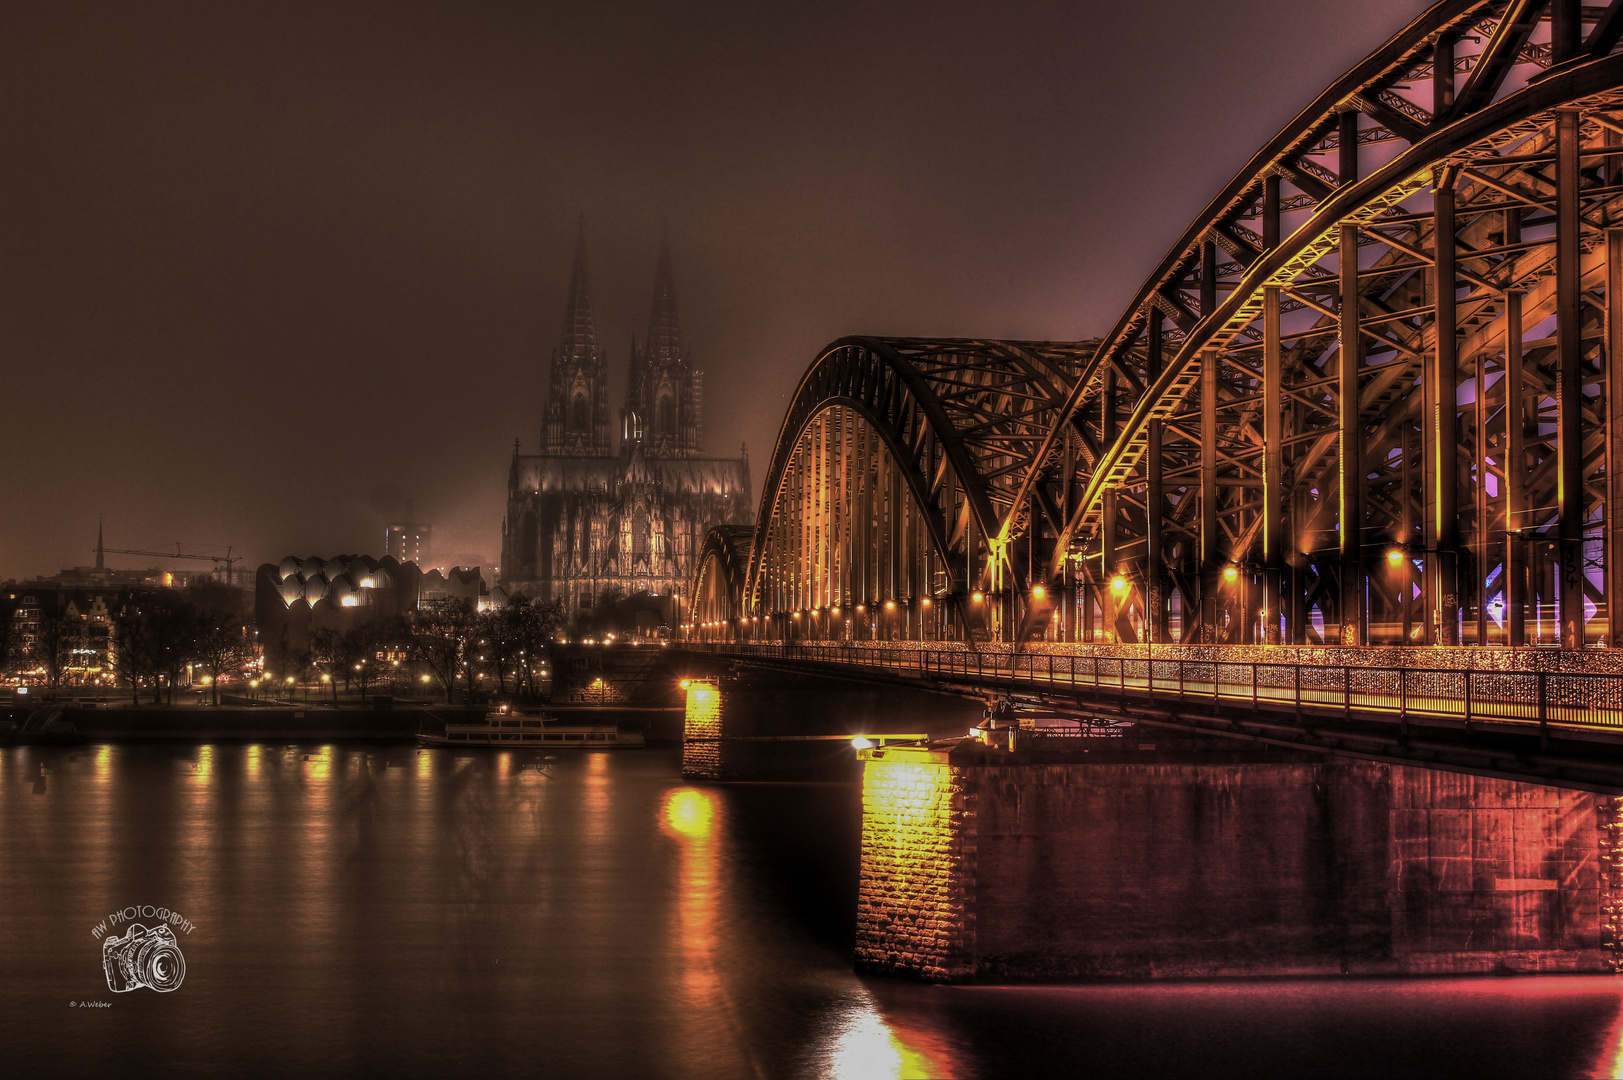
1146, 861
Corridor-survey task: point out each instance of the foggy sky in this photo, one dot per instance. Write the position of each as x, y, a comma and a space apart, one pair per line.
268, 271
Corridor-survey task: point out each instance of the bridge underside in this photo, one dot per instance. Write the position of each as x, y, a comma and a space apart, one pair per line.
1543, 727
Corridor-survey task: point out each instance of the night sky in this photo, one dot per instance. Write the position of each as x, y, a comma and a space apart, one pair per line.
268, 271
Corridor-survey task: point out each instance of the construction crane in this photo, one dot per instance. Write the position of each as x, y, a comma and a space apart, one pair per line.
227, 558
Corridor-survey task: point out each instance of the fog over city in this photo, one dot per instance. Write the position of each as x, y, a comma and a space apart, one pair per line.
269, 273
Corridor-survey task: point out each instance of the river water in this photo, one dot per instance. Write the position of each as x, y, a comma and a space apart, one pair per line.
380, 910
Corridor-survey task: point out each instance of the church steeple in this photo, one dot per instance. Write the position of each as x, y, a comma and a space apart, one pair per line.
664, 391
664, 335
579, 332
577, 402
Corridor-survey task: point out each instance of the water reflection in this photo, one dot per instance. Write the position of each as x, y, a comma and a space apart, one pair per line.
388, 911
863, 1046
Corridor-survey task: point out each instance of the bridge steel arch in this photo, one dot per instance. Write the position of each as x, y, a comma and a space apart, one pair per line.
1373, 394
1416, 443
889, 486
718, 582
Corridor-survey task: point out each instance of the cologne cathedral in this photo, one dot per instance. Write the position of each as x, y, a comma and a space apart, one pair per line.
586, 522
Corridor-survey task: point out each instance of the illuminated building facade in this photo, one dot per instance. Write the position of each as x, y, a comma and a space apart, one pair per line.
584, 521
73, 621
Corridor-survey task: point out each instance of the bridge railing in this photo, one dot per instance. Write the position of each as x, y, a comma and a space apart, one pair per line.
1569, 699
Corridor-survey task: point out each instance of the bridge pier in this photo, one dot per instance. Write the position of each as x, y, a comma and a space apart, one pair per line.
1144, 859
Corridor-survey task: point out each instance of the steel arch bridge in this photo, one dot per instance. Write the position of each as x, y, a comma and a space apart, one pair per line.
1368, 397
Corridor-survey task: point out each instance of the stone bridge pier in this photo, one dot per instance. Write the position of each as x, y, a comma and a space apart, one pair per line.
1144, 858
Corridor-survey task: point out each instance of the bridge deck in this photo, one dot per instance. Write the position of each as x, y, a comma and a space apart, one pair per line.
1545, 725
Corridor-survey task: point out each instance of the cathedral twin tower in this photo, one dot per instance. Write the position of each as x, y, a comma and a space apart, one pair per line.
590, 525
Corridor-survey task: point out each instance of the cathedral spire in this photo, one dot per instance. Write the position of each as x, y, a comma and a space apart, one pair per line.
664, 394
664, 337
580, 335
577, 417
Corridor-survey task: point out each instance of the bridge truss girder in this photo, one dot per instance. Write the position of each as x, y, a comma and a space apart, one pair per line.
1238, 435
1219, 454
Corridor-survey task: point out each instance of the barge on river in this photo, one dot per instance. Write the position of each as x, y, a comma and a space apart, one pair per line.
510, 730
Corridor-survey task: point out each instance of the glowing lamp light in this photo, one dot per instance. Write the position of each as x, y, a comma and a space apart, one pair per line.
1038, 592
686, 683
862, 609
890, 605
978, 597
1395, 556
1231, 574
861, 743
326, 678
797, 614
834, 611
1118, 584
424, 678
290, 679
925, 601
351, 601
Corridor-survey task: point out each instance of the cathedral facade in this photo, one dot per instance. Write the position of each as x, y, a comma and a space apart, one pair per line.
587, 521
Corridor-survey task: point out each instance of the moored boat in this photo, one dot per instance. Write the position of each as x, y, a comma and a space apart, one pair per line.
511, 730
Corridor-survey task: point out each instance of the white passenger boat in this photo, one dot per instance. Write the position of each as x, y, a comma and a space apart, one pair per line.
511, 730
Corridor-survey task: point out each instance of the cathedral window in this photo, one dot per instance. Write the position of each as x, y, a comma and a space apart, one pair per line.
639, 533
580, 417
667, 415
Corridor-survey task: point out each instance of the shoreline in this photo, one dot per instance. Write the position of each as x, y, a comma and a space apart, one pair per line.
193, 723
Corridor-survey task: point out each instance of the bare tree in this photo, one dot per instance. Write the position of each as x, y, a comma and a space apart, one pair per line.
442, 639
330, 654
54, 637
529, 627
222, 641
362, 645
152, 638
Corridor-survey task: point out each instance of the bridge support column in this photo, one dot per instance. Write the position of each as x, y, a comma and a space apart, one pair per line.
1569, 448
1152, 860
1350, 452
1210, 571
702, 729
1614, 437
1442, 436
